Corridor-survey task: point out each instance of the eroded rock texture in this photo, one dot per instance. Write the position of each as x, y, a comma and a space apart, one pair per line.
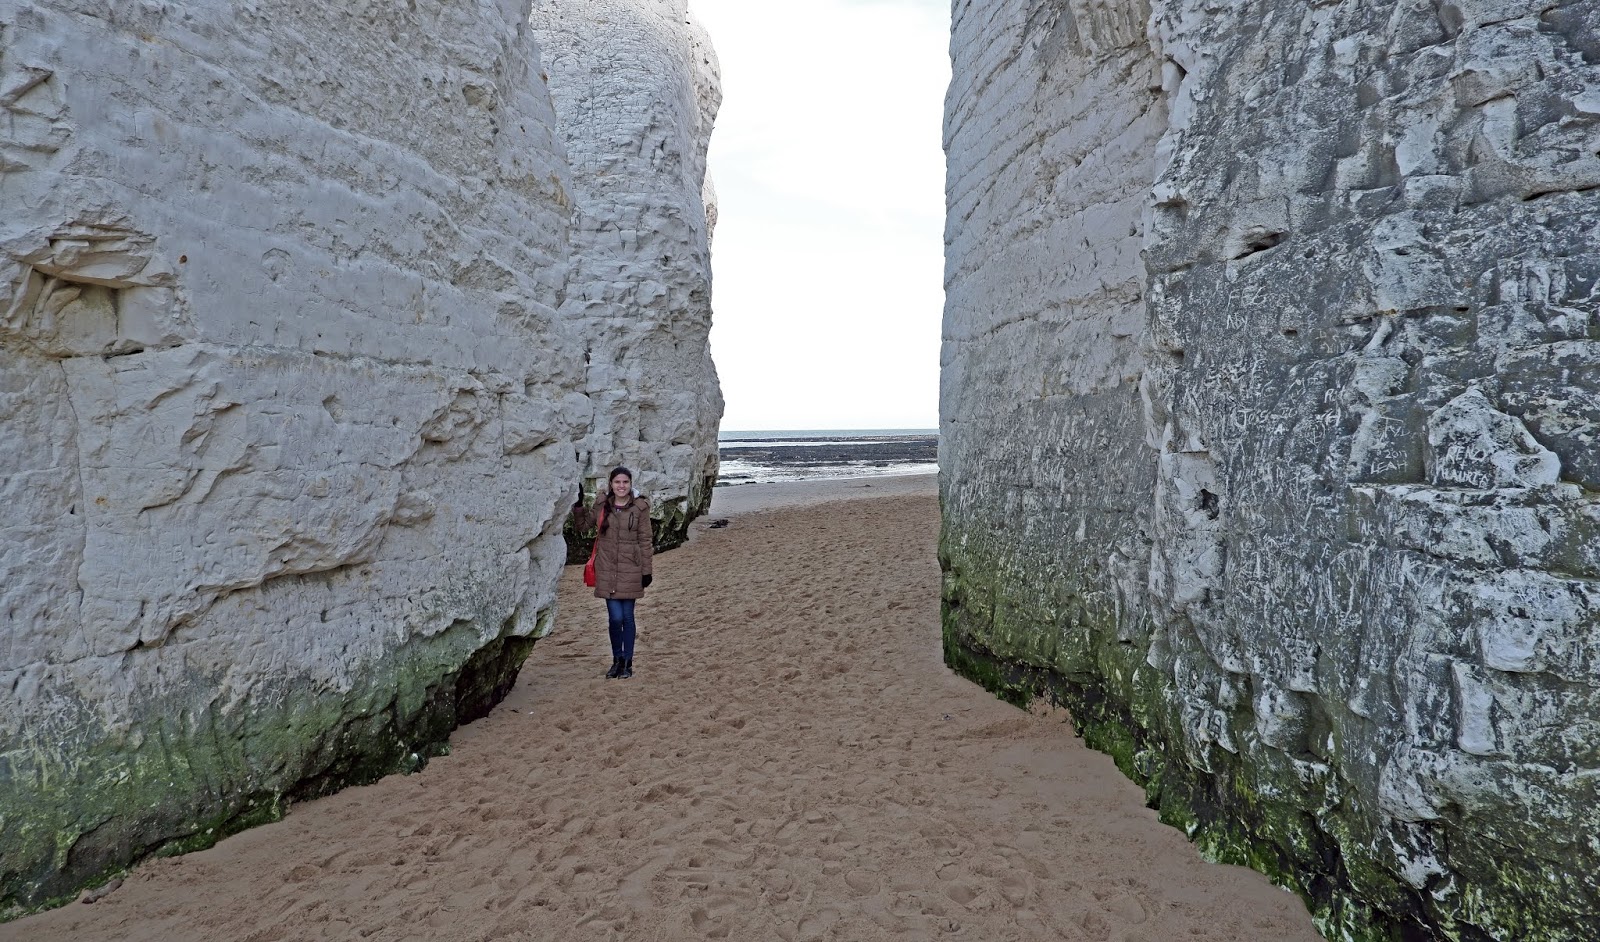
636, 90
288, 410
1300, 511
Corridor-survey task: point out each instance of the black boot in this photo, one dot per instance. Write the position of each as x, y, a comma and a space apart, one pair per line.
616, 668
627, 667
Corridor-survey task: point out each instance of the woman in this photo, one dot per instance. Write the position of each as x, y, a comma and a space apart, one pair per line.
623, 556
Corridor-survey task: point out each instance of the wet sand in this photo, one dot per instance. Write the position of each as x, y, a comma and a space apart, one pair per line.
792, 761
736, 499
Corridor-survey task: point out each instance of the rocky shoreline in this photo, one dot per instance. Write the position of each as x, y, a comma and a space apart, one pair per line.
751, 461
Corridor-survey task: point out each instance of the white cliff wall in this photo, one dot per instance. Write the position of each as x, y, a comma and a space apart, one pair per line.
289, 414
636, 90
1361, 658
1052, 127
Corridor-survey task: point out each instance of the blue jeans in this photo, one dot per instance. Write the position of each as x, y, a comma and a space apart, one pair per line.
620, 612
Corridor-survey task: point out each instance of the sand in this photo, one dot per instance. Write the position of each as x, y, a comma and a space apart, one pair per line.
746, 498
792, 761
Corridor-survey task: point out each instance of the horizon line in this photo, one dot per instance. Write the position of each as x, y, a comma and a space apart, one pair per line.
838, 428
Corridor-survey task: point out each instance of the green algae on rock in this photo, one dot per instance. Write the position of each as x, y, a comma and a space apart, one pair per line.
99, 805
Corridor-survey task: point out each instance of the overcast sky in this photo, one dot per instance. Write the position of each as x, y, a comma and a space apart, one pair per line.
828, 256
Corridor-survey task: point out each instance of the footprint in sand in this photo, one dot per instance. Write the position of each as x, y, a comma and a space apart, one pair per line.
663, 791
1128, 910
723, 848
1094, 925
816, 926
862, 882
1125, 905
1015, 888
787, 830
962, 893
707, 927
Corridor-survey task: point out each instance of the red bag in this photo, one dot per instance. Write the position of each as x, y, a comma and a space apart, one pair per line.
588, 567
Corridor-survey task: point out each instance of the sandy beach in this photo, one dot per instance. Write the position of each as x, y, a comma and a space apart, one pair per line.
791, 762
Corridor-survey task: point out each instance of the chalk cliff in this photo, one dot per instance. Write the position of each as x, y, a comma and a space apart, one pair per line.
636, 89
1291, 315
292, 400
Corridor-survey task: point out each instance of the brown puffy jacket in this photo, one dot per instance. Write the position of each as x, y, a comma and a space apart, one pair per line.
623, 554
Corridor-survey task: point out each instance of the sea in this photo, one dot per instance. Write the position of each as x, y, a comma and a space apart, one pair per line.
765, 457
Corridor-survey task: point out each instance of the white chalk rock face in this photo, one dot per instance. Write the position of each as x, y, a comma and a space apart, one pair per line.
1051, 138
289, 411
1331, 593
1050, 159
636, 90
